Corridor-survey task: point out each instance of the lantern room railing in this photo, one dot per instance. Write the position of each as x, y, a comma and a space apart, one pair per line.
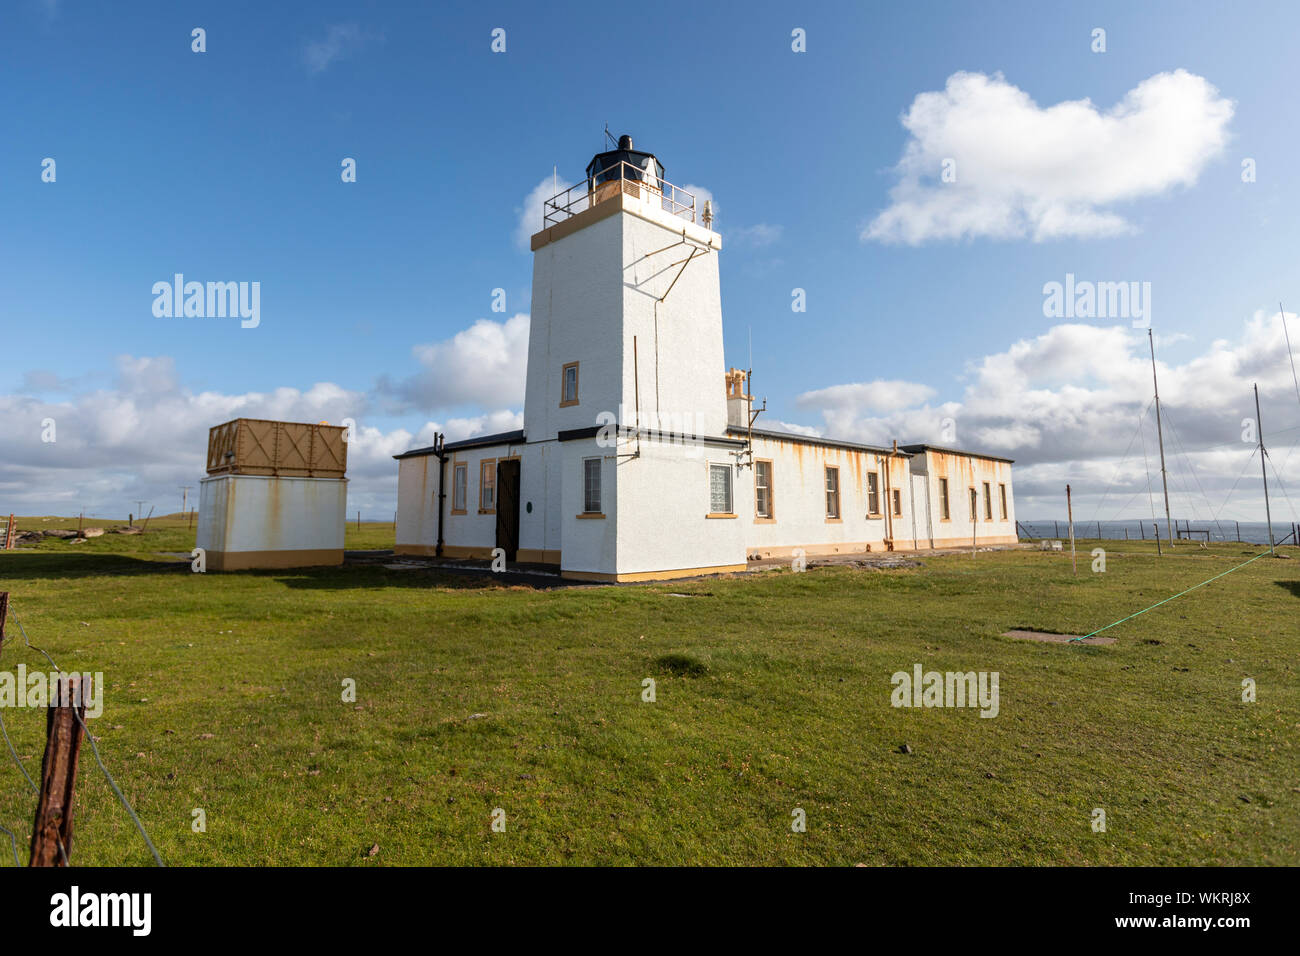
614, 179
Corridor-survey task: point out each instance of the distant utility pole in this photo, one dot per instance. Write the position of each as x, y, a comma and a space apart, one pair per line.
185, 498
1160, 436
139, 507
1263, 465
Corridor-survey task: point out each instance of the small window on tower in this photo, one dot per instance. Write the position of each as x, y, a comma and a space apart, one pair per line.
898, 502
873, 493
569, 388
591, 486
945, 513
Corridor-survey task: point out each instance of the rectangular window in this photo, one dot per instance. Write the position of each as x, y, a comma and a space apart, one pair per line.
988, 502
873, 493
832, 492
944, 512
459, 484
898, 502
591, 486
720, 489
974, 505
569, 385
487, 485
1002, 493
763, 489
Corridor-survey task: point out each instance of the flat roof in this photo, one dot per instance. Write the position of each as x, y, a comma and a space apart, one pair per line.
922, 447
813, 440
500, 438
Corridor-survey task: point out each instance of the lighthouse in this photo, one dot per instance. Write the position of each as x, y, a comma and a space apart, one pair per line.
639, 457
625, 365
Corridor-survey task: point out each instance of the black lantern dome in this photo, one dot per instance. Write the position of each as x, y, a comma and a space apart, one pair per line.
624, 163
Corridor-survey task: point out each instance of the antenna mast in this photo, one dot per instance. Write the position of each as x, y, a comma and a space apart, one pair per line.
1160, 436
1289, 354
1263, 465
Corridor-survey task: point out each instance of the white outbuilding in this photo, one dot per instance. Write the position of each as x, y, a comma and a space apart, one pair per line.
639, 459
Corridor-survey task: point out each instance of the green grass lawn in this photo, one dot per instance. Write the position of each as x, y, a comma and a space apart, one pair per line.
773, 693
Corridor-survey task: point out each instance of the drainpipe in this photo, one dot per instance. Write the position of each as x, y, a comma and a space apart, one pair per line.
888, 507
442, 493
889, 503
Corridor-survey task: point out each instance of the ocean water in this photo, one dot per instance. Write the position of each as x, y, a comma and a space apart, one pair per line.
1253, 532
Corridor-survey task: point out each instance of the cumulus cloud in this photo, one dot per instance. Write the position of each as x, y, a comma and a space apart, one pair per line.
145, 436
531, 214
482, 365
1067, 404
1023, 170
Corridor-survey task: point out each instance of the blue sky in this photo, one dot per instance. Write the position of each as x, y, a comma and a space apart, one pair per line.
224, 165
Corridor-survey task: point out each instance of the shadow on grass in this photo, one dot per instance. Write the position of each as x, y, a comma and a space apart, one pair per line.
46, 564
1292, 586
371, 574
365, 571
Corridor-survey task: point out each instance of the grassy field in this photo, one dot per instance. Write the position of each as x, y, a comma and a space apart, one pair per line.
773, 693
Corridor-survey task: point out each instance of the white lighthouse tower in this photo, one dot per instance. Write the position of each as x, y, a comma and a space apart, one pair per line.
625, 367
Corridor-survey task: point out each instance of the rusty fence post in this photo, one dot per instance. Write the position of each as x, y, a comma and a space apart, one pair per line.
65, 720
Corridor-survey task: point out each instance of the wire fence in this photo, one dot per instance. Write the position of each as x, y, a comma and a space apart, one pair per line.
89, 737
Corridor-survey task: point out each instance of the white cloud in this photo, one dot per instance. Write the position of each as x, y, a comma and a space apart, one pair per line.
1066, 405
1045, 172
482, 365
757, 236
532, 212
341, 41
811, 431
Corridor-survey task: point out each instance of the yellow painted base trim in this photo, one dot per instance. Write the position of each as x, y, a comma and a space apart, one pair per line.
964, 542
668, 575
448, 551
818, 550
538, 556
247, 560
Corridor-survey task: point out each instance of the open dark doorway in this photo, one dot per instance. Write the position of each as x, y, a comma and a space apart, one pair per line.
508, 507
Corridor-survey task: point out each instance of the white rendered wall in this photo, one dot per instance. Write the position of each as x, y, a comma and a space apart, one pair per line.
963, 472
663, 524
417, 489
681, 382
799, 500
590, 544
597, 289
473, 533
576, 316
242, 513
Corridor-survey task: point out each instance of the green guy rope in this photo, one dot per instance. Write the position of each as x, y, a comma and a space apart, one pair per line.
1168, 599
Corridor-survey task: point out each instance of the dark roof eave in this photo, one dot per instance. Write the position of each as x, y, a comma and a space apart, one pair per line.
813, 440
919, 447
481, 441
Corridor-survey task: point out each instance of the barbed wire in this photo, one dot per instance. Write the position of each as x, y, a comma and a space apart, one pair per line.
93, 748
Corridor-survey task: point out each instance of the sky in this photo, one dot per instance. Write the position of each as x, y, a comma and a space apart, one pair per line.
917, 175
